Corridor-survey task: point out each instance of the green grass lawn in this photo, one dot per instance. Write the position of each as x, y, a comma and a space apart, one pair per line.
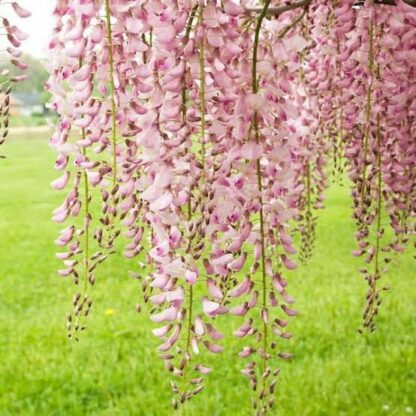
28, 121
114, 369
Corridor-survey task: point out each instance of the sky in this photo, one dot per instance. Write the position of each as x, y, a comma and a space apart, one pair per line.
38, 26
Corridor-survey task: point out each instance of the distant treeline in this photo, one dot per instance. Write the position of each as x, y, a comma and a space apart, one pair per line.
36, 77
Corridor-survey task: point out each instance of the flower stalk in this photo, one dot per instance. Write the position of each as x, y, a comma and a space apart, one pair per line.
202, 88
368, 109
112, 88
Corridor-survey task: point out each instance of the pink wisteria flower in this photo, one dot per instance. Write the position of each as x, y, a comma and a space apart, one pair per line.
206, 132
14, 38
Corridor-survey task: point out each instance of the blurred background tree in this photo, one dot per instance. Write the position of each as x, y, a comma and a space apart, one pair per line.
29, 97
36, 75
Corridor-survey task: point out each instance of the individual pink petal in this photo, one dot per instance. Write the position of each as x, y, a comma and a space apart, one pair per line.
162, 202
194, 344
213, 347
165, 34
61, 182
65, 272
76, 32
16, 53
233, 9
253, 301
162, 331
288, 311
160, 250
265, 316
214, 333
246, 352
212, 309
19, 64
214, 290
199, 326
169, 314
202, 369
172, 339
175, 268
175, 295
238, 263
209, 307
65, 236
295, 43
163, 178
17, 33
285, 355
244, 329
191, 277
241, 289
222, 260
20, 11
255, 102
94, 178
63, 256
289, 264
251, 151
239, 310
158, 299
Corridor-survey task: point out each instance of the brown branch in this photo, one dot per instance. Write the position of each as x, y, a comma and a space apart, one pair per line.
288, 28
281, 9
360, 3
304, 3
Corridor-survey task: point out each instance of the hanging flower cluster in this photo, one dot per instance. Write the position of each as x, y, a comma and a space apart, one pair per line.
317, 123
368, 94
204, 131
14, 37
93, 83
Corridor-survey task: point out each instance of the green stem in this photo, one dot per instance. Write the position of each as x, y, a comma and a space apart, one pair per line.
259, 178
256, 45
339, 134
144, 53
187, 34
190, 21
289, 27
190, 317
202, 90
368, 106
308, 198
379, 196
379, 181
87, 224
86, 214
112, 89
191, 291
189, 206
373, 284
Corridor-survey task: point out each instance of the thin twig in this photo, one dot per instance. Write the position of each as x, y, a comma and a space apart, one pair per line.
281, 9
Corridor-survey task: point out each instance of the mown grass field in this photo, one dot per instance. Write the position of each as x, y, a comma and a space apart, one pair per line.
28, 121
114, 370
